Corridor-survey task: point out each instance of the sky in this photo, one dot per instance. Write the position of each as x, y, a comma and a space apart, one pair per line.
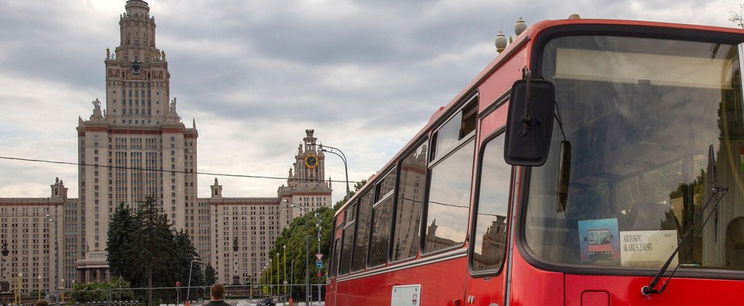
366, 75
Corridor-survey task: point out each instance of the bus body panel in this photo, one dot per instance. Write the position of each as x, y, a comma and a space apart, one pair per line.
441, 284
532, 286
450, 282
487, 289
626, 290
500, 83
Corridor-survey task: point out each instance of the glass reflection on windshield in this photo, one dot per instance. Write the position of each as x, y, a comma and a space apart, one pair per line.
655, 125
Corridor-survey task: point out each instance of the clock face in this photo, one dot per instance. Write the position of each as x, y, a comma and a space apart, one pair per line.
311, 161
136, 67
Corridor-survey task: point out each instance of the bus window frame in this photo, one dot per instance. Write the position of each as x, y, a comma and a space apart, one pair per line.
469, 99
359, 202
345, 225
377, 201
535, 62
434, 157
476, 203
410, 150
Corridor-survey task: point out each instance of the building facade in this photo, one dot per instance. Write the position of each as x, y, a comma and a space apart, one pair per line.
139, 147
32, 230
136, 146
243, 230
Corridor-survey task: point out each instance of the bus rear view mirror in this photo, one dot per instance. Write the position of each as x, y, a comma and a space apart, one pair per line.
529, 124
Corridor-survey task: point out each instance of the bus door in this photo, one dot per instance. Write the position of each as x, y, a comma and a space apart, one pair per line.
489, 223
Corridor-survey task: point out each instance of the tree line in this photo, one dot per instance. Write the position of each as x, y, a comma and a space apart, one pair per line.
144, 251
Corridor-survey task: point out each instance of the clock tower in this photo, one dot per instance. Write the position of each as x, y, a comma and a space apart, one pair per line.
138, 145
137, 78
307, 189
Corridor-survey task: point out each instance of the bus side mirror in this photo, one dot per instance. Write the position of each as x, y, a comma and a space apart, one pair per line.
529, 124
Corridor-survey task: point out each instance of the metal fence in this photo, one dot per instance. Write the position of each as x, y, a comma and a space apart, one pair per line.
299, 294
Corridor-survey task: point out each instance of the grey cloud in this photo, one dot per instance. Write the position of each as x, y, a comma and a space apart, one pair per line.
264, 67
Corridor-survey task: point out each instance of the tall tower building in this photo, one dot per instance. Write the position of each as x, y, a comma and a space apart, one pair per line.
138, 145
243, 229
306, 189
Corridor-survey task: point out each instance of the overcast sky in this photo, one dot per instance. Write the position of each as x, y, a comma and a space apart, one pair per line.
366, 75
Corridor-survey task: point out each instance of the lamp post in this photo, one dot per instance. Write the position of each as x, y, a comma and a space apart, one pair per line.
318, 228
307, 270
284, 269
56, 257
291, 278
271, 277
191, 268
333, 150
278, 276
62, 292
38, 289
18, 289
5, 253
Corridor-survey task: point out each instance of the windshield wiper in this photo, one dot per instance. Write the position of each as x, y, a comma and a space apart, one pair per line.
651, 287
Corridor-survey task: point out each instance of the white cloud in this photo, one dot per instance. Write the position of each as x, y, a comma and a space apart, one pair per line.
366, 75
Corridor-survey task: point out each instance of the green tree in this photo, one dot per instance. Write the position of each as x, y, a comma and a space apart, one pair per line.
143, 249
358, 185
153, 248
102, 291
183, 254
210, 276
120, 237
300, 231
737, 17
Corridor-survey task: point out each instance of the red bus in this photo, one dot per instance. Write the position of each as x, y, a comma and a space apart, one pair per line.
632, 126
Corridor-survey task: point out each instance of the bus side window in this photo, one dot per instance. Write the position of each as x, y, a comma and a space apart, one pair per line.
450, 170
457, 128
335, 258
382, 214
348, 239
411, 189
492, 202
364, 218
449, 200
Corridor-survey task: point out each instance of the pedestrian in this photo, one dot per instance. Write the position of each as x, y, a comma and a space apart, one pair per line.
217, 296
42, 303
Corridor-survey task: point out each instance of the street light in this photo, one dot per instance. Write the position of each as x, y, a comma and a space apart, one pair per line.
5, 253
18, 288
343, 158
318, 227
38, 289
278, 276
284, 268
191, 268
56, 257
62, 295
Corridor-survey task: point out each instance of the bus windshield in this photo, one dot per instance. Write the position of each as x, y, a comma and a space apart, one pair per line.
655, 125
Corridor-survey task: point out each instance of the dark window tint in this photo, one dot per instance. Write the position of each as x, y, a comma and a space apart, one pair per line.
449, 200
382, 213
458, 127
348, 240
362, 239
493, 201
386, 186
411, 188
335, 257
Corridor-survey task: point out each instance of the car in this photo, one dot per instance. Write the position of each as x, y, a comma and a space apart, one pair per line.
266, 302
